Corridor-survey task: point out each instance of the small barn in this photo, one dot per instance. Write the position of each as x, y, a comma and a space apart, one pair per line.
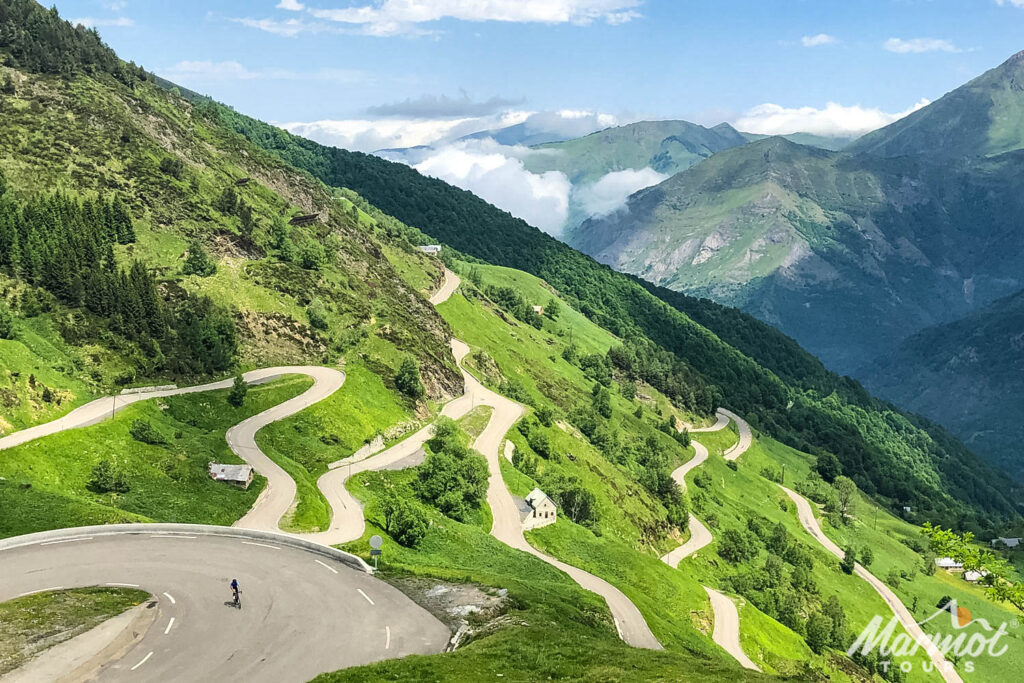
1008, 542
238, 475
539, 310
537, 510
975, 576
305, 219
430, 249
949, 564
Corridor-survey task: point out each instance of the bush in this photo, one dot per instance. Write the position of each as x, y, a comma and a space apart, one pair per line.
866, 556
239, 389
452, 478
198, 262
107, 477
407, 379
6, 322
819, 632
172, 166
144, 432
317, 315
402, 520
312, 255
738, 546
849, 561
574, 500
703, 479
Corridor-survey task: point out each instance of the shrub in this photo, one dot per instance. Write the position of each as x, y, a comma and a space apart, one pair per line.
849, 561
198, 262
738, 546
6, 322
239, 389
867, 556
403, 521
317, 315
452, 478
407, 379
172, 166
107, 477
819, 632
703, 479
312, 255
893, 577
143, 432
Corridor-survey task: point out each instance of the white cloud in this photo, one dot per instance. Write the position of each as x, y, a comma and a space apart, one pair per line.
833, 119
393, 17
371, 135
293, 5
204, 72
919, 45
1015, 3
114, 5
288, 28
93, 22
818, 40
541, 199
610, 192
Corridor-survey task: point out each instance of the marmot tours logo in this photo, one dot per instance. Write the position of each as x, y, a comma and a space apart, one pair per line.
952, 630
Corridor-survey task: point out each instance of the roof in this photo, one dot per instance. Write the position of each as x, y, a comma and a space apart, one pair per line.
975, 576
524, 508
947, 562
230, 472
305, 219
536, 497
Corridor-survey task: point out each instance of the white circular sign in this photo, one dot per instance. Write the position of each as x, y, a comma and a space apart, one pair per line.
376, 541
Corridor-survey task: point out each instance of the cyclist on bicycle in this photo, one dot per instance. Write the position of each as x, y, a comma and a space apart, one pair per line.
234, 589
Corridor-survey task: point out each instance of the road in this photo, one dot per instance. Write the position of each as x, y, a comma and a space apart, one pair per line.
507, 528
726, 631
302, 614
805, 512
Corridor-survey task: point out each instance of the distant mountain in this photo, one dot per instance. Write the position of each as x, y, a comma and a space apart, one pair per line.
517, 134
981, 118
848, 252
830, 142
968, 375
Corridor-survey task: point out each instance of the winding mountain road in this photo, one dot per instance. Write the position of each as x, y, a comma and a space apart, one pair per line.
726, 631
805, 512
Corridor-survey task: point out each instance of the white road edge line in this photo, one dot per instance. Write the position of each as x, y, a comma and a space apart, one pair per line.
41, 590
387, 637
169, 536
170, 597
327, 566
125, 585
365, 596
169, 625
262, 545
67, 540
144, 660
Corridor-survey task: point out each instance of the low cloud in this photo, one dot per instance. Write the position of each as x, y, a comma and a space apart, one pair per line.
93, 22
292, 5
611, 192
818, 40
541, 199
441, 106
919, 45
833, 119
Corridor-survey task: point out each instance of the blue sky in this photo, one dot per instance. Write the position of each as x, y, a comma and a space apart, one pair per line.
667, 58
378, 75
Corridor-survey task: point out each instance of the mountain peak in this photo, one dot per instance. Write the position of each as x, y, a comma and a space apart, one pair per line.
1015, 59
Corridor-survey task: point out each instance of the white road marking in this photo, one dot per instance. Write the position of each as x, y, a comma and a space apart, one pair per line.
126, 585
170, 597
262, 545
144, 659
387, 637
169, 536
327, 566
365, 595
169, 625
41, 590
67, 540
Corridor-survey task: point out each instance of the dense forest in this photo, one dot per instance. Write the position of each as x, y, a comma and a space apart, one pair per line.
888, 453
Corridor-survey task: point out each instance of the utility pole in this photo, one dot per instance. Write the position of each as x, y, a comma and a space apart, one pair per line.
783, 473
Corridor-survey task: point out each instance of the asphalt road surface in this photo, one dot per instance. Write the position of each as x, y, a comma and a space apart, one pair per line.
302, 614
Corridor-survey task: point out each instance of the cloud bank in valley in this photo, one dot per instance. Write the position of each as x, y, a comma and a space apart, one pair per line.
832, 119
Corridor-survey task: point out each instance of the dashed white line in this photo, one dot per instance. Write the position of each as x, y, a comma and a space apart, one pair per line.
170, 597
326, 565
170, 536
42, 590
387, 637
365, 595
169, 625
125, 585
67, 540
144, 660
262, 545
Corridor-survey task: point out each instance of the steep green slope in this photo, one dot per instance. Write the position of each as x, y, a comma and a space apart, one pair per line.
981, 118
967, 375
139, 241
827, 413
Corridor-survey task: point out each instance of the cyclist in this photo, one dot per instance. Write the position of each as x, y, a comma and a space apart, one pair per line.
234, 589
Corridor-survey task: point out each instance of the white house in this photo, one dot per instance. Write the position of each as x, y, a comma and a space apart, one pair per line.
1008, 542
239, 475
974, 576
949, 564
537, 510
430, 248
539, 310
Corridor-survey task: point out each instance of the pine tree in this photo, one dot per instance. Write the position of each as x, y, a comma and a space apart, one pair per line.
122, 221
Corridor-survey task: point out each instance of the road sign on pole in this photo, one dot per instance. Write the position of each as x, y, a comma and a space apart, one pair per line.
375, 543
